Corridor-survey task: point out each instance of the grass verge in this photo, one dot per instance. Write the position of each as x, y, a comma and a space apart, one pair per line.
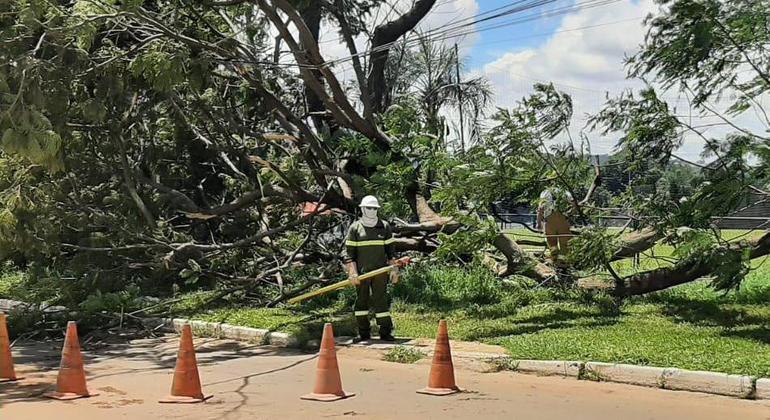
690, 326
402, 354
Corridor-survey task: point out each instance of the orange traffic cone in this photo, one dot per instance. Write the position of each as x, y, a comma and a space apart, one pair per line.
71, 382
186, 386
328, 385
442, 372
7, 373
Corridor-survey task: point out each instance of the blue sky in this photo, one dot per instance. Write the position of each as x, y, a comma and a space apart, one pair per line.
496, 42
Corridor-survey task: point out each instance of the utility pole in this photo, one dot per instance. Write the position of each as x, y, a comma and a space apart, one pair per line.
460, 99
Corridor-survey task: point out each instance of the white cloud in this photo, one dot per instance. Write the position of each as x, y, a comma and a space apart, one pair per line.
443, 14
587, 64
453, 13
583, 62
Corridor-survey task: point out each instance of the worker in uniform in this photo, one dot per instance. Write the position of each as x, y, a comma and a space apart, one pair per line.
369, 246
555, 226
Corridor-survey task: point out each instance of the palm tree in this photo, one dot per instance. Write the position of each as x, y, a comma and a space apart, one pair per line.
429, 71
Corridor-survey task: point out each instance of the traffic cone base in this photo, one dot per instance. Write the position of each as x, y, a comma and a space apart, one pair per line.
66, 396
14, 379
439, 391
327, 397
173, 399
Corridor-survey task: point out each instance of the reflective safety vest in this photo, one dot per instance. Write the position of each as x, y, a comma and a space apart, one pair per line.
369, 247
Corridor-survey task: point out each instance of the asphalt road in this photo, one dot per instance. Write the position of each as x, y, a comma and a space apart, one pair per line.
253, 382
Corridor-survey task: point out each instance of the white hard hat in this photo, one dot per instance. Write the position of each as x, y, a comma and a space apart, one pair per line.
370, 201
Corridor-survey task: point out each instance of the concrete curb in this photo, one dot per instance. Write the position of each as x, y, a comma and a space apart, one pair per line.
232, 332
739, 386
549, 367
762, 389
709, 382
624, 374
8, 305
674, 379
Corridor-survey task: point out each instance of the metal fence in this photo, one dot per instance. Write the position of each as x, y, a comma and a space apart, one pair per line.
517, 220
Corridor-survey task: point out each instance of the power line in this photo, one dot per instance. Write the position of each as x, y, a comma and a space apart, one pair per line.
436, 33
566, 85
579, 28
454, 22
446, 33
424, 35
552, 13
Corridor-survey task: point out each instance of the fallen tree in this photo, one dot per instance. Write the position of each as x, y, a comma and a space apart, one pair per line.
155, 143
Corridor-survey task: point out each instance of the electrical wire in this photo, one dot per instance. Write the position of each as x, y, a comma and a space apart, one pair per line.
447, 33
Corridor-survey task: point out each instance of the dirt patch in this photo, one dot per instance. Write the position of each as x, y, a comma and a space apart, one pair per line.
111, 390
125, 402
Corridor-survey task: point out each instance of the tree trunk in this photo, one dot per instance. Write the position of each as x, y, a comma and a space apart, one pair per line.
519, 262
637, 242
315, 105
663, 278
383, 36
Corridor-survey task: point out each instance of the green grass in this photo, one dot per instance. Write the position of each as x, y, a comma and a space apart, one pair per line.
402, 354
686, 334
10, 284
686, 327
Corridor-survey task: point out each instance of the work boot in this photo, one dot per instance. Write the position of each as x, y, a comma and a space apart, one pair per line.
362, 336
387, 336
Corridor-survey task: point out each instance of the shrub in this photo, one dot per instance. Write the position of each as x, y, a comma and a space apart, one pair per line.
403, 354
447, 287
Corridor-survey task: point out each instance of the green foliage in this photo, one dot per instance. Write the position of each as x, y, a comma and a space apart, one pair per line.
442, 287
162, 65
593, 249
692, 243
730, 264
403, 354
191, 275
703, 45
123, 301
86, 115
650, 131
116, 143
192, 302
11, 282
471, 240
427, 75
83, 28
30, 135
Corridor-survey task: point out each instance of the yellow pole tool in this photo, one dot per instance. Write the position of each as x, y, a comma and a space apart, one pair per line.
344, 283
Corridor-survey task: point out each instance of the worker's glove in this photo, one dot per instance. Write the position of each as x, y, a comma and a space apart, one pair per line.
353, 278
394, 275
402, 262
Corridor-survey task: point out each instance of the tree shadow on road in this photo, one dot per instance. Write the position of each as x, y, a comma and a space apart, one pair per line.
39, 361
23, 390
